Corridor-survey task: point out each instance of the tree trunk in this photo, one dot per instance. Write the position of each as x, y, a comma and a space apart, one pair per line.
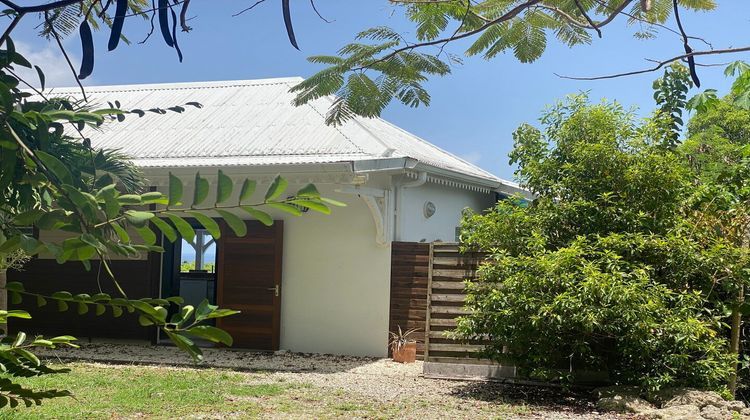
3, 297
734, 341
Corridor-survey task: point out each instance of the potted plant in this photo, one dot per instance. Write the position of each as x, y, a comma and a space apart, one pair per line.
403, 347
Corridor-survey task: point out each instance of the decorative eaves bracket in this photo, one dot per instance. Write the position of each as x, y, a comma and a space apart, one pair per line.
377, 202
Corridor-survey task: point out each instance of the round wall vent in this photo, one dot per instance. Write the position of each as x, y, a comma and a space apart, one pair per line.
429, 209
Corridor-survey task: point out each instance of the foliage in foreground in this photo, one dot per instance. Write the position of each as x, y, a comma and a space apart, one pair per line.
620, 265
54, 180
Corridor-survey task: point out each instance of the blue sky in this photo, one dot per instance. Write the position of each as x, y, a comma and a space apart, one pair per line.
474, 111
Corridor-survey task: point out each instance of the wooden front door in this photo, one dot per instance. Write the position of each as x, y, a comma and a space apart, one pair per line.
249, 280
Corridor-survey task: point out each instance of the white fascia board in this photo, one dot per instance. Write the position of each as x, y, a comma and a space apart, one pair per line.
512, 189
313, 168
333, 173
381, 165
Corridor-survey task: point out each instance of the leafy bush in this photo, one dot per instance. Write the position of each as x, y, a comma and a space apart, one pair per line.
590, 306
613, 267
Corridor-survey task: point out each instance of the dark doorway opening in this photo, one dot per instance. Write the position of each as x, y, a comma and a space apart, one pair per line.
197, 276
189, 270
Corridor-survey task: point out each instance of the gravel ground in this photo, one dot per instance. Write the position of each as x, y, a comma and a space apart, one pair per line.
387, 388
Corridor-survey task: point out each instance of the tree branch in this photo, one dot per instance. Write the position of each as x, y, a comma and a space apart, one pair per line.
315, 8
588, 18
507, 16
659, 64
65, 54
249, 8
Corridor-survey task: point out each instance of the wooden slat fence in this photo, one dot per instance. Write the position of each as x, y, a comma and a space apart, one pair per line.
409, 271
446, 357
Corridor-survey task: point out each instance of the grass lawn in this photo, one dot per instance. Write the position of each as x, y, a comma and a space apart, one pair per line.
129, 391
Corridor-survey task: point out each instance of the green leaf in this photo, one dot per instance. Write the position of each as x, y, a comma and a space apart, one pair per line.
101, 297
333, 202
186, 312
130, 199
28, 356
208, 223
43, 343
248, 188
204, 309
90, 239
121, 232
16, 313
217, 335
82, 308
278, 186
59, 169
183, 227
62, 295
62, 339
221, 313
11, 244
287, 208
261, 216
40, 301
161, 313
148, 236
84, 202
28, 218
736, 68
116, 311
201, 190
138, 218
145, 321
14, 286
237, 225
224, 188
177, 300
308, 191
20, 338
313, 205
154, 197
186, 345
175, 190
165, 228
100, 309
143, 307
15, 298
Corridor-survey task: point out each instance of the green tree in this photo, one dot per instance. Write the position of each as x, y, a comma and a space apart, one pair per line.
609, 267
670, 94
717, 148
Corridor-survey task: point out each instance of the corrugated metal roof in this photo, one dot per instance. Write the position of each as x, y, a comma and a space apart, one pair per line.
250, 122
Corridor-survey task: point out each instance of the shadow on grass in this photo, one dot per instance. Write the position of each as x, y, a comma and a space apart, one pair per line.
531, 395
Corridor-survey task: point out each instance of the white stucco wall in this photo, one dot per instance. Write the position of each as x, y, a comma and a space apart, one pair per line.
336, 283
449, 202
335, 289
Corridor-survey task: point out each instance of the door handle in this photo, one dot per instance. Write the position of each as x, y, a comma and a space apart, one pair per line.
275, 289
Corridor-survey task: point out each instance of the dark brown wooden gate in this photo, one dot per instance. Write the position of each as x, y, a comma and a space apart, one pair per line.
249, 280
409, 269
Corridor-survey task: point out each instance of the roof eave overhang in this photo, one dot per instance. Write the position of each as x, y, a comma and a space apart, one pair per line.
406, 164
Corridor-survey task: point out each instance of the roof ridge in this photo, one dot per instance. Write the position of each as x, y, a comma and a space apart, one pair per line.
335, 127
206, 84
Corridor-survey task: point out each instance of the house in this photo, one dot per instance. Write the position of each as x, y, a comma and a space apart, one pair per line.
317, 283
